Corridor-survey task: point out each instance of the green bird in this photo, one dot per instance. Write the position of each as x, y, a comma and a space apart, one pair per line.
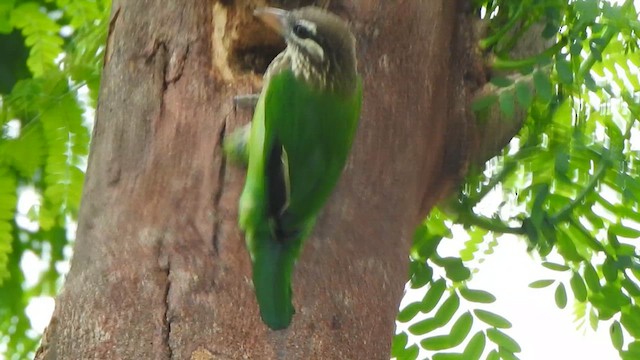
300, 137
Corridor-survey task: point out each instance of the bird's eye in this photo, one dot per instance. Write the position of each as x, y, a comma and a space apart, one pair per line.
301, 31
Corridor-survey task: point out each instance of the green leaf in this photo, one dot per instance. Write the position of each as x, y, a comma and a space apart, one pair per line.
634, 348
454, 268
399, 343
631, 287
575, 49
409, 312
565, 74
493, 355
609, 270
503, 340
524, 95
561, 296
550, 30
425, 243
477, 296
492, 319
593, 319
555, 267
5, 12
411, 352
617, 337
425, 326
539, 284
62, 125
507, 103
630, 319
542, 85
461, 328
590, 83
399, 349
459, 332
437, 343
578, 287
609, 301
12, 68
475, 347
624, 231
435, 224
506, 354
441, 318
26, 153
448, 356
41, 35
433, 295
48, 152
8, 201
501, 81
421, 274
483, 102
567, 248
588, 10
595, 50
471, 246
591, 277
561, 162
625, 251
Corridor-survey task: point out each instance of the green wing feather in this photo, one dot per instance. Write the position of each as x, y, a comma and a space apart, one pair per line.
299, 143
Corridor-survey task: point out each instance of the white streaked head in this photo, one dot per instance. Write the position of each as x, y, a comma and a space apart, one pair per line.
320, 46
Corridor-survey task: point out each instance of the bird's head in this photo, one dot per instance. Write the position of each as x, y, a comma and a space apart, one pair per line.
320, 46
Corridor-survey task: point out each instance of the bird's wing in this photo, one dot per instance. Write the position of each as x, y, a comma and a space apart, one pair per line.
277, 179
311, 133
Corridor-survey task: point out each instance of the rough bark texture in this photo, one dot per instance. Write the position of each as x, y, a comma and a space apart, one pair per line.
160, 269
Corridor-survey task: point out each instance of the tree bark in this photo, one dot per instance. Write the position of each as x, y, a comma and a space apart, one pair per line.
160, 268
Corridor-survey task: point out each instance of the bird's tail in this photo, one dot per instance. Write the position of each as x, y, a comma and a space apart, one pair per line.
273, 263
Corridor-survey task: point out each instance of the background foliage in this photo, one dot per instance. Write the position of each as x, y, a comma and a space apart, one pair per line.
49, 76
568, 180
568, 183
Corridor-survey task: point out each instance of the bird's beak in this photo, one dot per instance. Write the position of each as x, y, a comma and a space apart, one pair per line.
274, 18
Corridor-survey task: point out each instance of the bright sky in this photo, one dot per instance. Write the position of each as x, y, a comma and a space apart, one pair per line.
543, 330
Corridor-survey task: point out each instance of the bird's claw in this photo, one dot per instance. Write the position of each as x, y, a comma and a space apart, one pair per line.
246, 101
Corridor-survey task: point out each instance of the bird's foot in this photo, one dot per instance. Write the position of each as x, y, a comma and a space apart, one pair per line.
246, 101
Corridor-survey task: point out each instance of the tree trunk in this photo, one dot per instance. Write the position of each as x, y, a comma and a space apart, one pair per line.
160, 268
